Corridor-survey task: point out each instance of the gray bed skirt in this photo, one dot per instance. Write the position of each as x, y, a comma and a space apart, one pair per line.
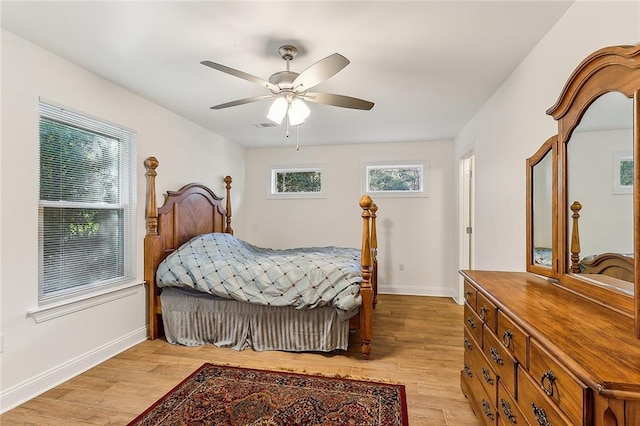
192, 319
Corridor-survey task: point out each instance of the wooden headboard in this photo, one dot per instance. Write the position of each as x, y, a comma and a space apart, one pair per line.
191, 211
615, 265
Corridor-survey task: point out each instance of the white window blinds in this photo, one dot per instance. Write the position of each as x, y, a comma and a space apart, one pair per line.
87, 204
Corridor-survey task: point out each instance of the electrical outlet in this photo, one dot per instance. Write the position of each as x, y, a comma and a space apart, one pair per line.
401, 267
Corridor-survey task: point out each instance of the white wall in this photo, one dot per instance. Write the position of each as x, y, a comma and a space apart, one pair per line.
606, 218
37, 356
513, 123
416, 232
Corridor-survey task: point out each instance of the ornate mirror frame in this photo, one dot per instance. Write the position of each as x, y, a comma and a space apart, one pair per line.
611, 69
550, 147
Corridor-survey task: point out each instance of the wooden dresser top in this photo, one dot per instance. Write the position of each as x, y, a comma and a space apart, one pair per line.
596, 343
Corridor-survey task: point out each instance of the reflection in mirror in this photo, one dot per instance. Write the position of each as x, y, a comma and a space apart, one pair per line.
599, 179
542, 174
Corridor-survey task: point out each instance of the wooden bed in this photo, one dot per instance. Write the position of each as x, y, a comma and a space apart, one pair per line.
195, 210
610, 268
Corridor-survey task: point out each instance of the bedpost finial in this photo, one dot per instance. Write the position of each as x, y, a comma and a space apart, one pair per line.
227, 181
151, 163
576, 207
366, 202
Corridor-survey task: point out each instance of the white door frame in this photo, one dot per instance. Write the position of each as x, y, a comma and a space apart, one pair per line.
466, 216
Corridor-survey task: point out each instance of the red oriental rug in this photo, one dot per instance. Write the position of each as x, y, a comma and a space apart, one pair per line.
221, 395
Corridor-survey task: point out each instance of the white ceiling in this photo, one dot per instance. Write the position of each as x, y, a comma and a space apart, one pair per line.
428, 66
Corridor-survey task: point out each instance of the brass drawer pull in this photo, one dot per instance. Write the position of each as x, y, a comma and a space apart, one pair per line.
483, 313
471, 323
487, 376
506, 338
541, 415
467, 296
506, 409
486, 407
467, 370
547, 382
467, 344
496, 356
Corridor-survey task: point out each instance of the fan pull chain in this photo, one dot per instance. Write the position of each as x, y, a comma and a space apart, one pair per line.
297, 138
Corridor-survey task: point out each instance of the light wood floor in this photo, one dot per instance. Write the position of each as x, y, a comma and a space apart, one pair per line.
417, 341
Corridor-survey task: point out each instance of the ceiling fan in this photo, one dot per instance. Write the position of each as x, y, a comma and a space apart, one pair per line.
290, 89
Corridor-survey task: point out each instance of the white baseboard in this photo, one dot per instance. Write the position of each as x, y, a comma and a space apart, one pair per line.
33, 387
419, 291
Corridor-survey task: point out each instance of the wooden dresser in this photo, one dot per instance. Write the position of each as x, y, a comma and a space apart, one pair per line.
539, 354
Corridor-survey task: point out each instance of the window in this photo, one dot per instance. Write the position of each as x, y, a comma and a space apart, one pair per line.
87, 204
300, 182
396, 180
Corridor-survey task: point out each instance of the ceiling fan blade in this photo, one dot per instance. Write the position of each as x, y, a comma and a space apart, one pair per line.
243, 101
319, 72
338, 100
241, 74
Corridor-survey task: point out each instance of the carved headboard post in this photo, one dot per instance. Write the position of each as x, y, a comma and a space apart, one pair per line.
227, 181
575, 238
374, 253
152, 246
366, 291
151, 208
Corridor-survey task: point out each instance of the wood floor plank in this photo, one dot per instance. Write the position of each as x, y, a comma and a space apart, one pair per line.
417, 342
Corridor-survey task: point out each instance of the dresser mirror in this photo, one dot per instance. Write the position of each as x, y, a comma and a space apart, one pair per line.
598, 194
542, 209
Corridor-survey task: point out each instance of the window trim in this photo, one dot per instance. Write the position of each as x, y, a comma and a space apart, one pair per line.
271, 181
373, 165
81, 297
68, 306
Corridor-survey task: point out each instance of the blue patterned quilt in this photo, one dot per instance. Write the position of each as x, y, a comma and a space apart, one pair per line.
228, 267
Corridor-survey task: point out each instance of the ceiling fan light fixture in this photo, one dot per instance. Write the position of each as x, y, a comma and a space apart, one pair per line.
278, 110
298, 112
288, 87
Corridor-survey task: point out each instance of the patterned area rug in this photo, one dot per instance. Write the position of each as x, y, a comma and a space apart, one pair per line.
220, 395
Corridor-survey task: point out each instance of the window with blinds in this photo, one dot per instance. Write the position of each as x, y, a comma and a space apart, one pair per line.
87, 204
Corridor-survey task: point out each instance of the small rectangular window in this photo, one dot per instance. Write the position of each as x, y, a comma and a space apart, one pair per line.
396, 180
298, 182
87, 204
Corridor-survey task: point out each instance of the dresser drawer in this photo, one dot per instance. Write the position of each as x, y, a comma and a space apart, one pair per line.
487, 311
508, 411
566, 391
471, 349
470, 293
485, 374
500, 359
536, 407
473, 323
481, 404
470, 343
513, 338
476, 365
